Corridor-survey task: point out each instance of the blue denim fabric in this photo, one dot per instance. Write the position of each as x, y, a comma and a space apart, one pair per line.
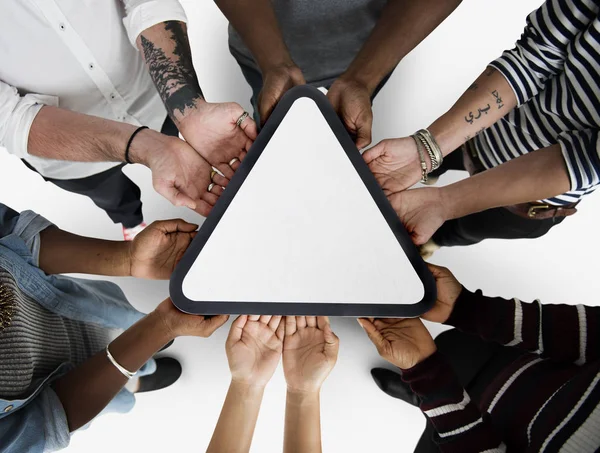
38, 423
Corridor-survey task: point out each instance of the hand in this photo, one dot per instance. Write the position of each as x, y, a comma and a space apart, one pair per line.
402, 342
212, 131
352, 102
395, 164
180, 324
276, 82
422, 211
156, 250
448, 290
310, 351
254, 348
179, 173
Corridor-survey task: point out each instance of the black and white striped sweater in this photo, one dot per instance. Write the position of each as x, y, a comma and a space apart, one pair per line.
547, 400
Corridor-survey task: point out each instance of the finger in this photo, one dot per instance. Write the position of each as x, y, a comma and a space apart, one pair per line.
226, 170
290, 325
264, 319
249, 144
235, 164
274, 322
177, 198
372, 332
203, 208
373, 153
219, 179
210, 197
253, 318
332, 342
175, 225
217, 190
280, 332
322, 321
235, 333
214, 323
311, 321
363, 136
301, 322
249, 127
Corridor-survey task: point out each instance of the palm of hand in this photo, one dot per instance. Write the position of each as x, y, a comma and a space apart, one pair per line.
397, 165
406, 341
304, 355
421, 211
256, 354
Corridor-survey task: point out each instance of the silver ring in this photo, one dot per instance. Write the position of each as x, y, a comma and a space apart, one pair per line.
241, 119
233, 161
210, 186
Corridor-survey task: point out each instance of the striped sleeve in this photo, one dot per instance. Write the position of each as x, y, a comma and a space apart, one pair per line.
581, 151
460, 427
541, 51
568, 333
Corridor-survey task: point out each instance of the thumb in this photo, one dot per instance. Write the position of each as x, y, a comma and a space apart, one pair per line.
374, 334
363, 136
176, 197
373, 153
175, 225
214, 323
332, 342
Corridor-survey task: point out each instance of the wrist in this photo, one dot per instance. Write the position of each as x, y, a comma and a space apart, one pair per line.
125, 258
303, 397
447, 134
161, 331
144, 147
185, 119
365, 81
246, 388
448, 202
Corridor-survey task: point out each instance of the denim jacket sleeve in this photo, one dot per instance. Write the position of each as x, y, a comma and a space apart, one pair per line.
26, 225
39, 427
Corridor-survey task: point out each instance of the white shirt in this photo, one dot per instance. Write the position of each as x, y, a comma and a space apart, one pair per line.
79, 55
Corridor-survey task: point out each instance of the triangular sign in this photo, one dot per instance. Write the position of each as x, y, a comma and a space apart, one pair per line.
303, 228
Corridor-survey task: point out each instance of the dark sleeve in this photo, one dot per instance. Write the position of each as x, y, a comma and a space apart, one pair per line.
460, 427
569, 333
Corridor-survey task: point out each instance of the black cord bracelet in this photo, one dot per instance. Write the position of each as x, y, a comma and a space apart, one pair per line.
141, 128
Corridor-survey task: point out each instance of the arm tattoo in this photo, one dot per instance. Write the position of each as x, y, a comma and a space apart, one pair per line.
175, 78
473, 86
489, 71
484, 110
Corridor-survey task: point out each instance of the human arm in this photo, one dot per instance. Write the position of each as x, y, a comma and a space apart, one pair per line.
257, 24
310, 351
403, 24
87, 389
458, 422
210, 128
253, 349
152, 254
538, 175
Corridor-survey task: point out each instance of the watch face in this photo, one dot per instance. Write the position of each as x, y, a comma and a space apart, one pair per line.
303, 228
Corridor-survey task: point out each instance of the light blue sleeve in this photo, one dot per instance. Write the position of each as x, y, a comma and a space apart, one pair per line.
27, 225
38, 427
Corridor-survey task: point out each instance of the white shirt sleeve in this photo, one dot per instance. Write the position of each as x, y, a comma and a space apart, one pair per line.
143, 14
16, 116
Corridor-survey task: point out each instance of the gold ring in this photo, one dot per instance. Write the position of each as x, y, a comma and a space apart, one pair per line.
241, 119
233, 161
212, 174
210, 186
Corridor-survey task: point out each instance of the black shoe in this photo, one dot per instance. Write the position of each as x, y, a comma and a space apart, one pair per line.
167, 346
392, 384
167, 372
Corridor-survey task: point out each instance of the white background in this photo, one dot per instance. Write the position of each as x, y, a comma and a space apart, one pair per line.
356, 415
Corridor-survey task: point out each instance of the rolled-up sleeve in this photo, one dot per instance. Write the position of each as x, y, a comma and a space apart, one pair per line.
27, 225
38, 427
16, 116
581, 151
541, 52
143, 14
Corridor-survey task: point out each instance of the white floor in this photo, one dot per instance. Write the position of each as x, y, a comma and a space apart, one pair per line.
356, 416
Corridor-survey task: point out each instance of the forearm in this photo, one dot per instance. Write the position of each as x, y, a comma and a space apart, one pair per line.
535, 176
556, 331
257, 24
459, 424
87, 389
62, 252
166, 51
65, 135
302, 423
486, 101
402, 26
235, 428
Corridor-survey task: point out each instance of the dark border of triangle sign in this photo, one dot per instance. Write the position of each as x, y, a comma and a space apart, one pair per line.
314, 308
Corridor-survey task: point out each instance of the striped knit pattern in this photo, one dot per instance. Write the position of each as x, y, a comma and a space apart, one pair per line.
38, 341
547, 400
554, 71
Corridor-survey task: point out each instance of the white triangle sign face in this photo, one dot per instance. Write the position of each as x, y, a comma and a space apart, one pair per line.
303, 229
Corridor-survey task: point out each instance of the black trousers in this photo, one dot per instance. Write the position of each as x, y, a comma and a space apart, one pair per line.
496, 223
112, 190
476, 363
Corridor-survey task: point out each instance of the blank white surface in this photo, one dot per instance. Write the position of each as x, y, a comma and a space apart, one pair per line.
561, 267
306, 229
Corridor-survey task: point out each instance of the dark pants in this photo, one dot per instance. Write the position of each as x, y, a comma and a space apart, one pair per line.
254, 79
112, 190
476, 363
497, 223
